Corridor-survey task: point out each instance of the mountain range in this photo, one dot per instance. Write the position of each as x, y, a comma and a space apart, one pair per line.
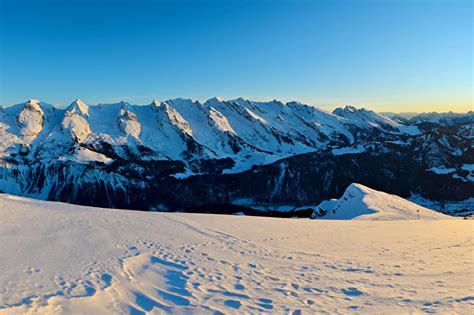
229, 156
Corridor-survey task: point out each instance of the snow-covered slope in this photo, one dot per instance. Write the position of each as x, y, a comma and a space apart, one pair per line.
363, 203
58, 258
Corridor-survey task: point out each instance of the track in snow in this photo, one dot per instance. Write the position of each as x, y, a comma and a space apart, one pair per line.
60, 258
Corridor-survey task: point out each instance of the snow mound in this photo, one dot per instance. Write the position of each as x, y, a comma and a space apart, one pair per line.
363, 203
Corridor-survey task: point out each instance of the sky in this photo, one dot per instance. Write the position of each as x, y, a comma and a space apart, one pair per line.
387, 55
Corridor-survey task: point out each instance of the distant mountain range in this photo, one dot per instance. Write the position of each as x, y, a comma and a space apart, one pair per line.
448, 118
231, 155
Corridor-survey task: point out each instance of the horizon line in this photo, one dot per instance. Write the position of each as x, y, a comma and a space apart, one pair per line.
321, 106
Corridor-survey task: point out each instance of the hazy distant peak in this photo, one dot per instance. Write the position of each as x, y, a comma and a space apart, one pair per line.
350, 108
155, 103
214, 99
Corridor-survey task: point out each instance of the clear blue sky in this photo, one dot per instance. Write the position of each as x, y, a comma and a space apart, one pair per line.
386, 55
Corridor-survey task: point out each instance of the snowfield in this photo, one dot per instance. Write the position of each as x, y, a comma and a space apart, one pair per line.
64, 259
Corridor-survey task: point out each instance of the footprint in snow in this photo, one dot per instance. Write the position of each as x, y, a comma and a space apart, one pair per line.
239, 287
352, 292
233, 304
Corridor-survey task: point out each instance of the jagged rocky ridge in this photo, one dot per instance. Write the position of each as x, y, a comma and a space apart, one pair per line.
230, 156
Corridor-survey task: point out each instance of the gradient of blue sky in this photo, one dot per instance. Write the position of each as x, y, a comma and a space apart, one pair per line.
392, 55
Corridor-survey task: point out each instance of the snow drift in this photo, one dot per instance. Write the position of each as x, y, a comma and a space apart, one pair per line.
363, 203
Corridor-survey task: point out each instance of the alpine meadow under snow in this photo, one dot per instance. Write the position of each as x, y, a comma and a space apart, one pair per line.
65, 259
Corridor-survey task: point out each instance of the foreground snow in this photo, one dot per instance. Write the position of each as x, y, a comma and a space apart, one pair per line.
65, 259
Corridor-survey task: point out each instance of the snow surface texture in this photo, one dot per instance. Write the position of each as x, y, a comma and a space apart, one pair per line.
65, 259
363, 203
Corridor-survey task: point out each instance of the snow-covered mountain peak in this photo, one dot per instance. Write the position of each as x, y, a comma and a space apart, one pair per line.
155, 103
167, 114
294, 103
366, 118
215, 101
180, 100
183, 104
33, 104
30, 120
350, 109
363, 203
78, 107
75, 121
239, 99
218, 99
128, 123
124, 103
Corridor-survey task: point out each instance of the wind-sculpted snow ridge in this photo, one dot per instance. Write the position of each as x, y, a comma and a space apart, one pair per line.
363, 203
66, 259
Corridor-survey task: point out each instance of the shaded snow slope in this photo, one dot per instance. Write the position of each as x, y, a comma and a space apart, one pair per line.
64, 259
363, 203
